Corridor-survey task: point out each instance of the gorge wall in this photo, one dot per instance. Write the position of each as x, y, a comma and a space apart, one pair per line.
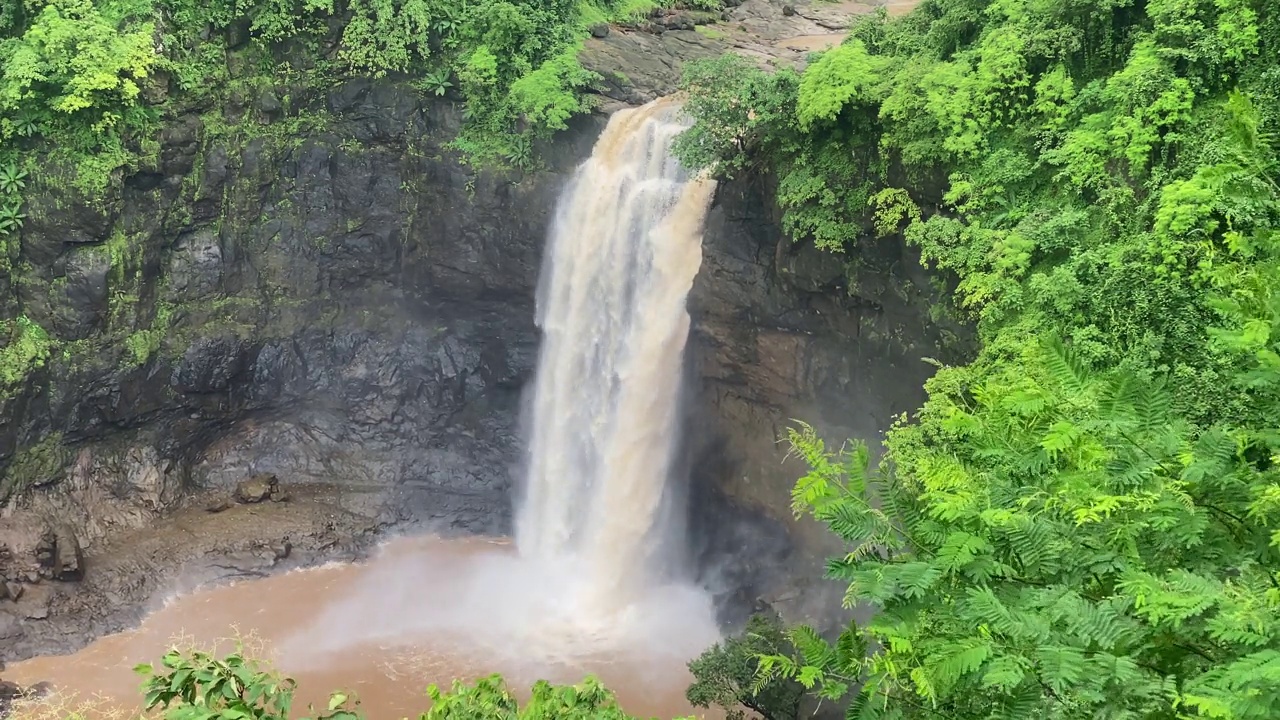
328, 296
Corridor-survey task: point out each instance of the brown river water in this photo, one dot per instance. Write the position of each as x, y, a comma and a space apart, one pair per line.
422, 611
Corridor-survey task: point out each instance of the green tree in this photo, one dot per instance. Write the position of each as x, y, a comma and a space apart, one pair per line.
197, 685
725, 675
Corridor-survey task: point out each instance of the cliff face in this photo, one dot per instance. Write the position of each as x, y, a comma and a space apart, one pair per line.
782, 334
349, 309
326, 295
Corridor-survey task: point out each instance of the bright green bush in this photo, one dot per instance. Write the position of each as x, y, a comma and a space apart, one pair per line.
74, 64
198, 685
26, 349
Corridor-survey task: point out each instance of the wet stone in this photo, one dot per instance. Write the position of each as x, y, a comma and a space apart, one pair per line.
257, 488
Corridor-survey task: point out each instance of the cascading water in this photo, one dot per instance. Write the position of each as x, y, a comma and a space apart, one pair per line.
622, 257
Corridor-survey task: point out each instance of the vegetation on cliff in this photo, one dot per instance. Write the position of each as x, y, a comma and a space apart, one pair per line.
88, 88
1084, 521
91, 78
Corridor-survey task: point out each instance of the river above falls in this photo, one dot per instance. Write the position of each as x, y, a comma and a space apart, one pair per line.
421, 611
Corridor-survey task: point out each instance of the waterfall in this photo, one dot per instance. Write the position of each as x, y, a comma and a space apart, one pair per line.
586, 587
623, 253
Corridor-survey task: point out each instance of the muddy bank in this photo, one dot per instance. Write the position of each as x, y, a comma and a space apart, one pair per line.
133, 574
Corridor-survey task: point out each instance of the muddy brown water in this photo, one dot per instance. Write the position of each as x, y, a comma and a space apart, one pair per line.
380, 631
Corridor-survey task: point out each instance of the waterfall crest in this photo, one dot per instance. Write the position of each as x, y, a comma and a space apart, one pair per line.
622, 256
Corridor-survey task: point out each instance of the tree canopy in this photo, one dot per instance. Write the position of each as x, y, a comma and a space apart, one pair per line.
1084, 520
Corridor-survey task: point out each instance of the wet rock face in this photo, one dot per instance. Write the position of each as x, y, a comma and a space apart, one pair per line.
332, 309
349, 310
783, 332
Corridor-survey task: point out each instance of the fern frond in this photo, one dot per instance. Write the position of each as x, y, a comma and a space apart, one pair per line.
1152, 406
1065, 366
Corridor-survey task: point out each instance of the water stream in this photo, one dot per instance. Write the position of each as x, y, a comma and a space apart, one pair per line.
593, 583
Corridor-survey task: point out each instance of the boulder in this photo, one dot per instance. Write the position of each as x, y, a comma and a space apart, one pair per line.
600, 30
269, 103
9, 691
679, 21
257, 488
69, 564
60, 555
10, 627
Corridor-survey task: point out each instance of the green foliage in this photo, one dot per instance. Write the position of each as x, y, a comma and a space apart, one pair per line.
34, 465
1053, 541
1083, 521
550, 95
73, 59
72, 72
724, 675
87, 77
841, 77
26, 350
13, 179
489, 699
738, 108
197, 685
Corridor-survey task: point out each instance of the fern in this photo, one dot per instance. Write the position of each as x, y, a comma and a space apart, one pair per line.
1065, 366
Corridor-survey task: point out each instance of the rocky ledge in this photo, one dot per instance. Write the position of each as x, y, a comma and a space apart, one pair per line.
219, 538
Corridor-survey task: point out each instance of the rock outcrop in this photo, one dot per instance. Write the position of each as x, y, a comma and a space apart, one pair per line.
259, 488
350, 310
